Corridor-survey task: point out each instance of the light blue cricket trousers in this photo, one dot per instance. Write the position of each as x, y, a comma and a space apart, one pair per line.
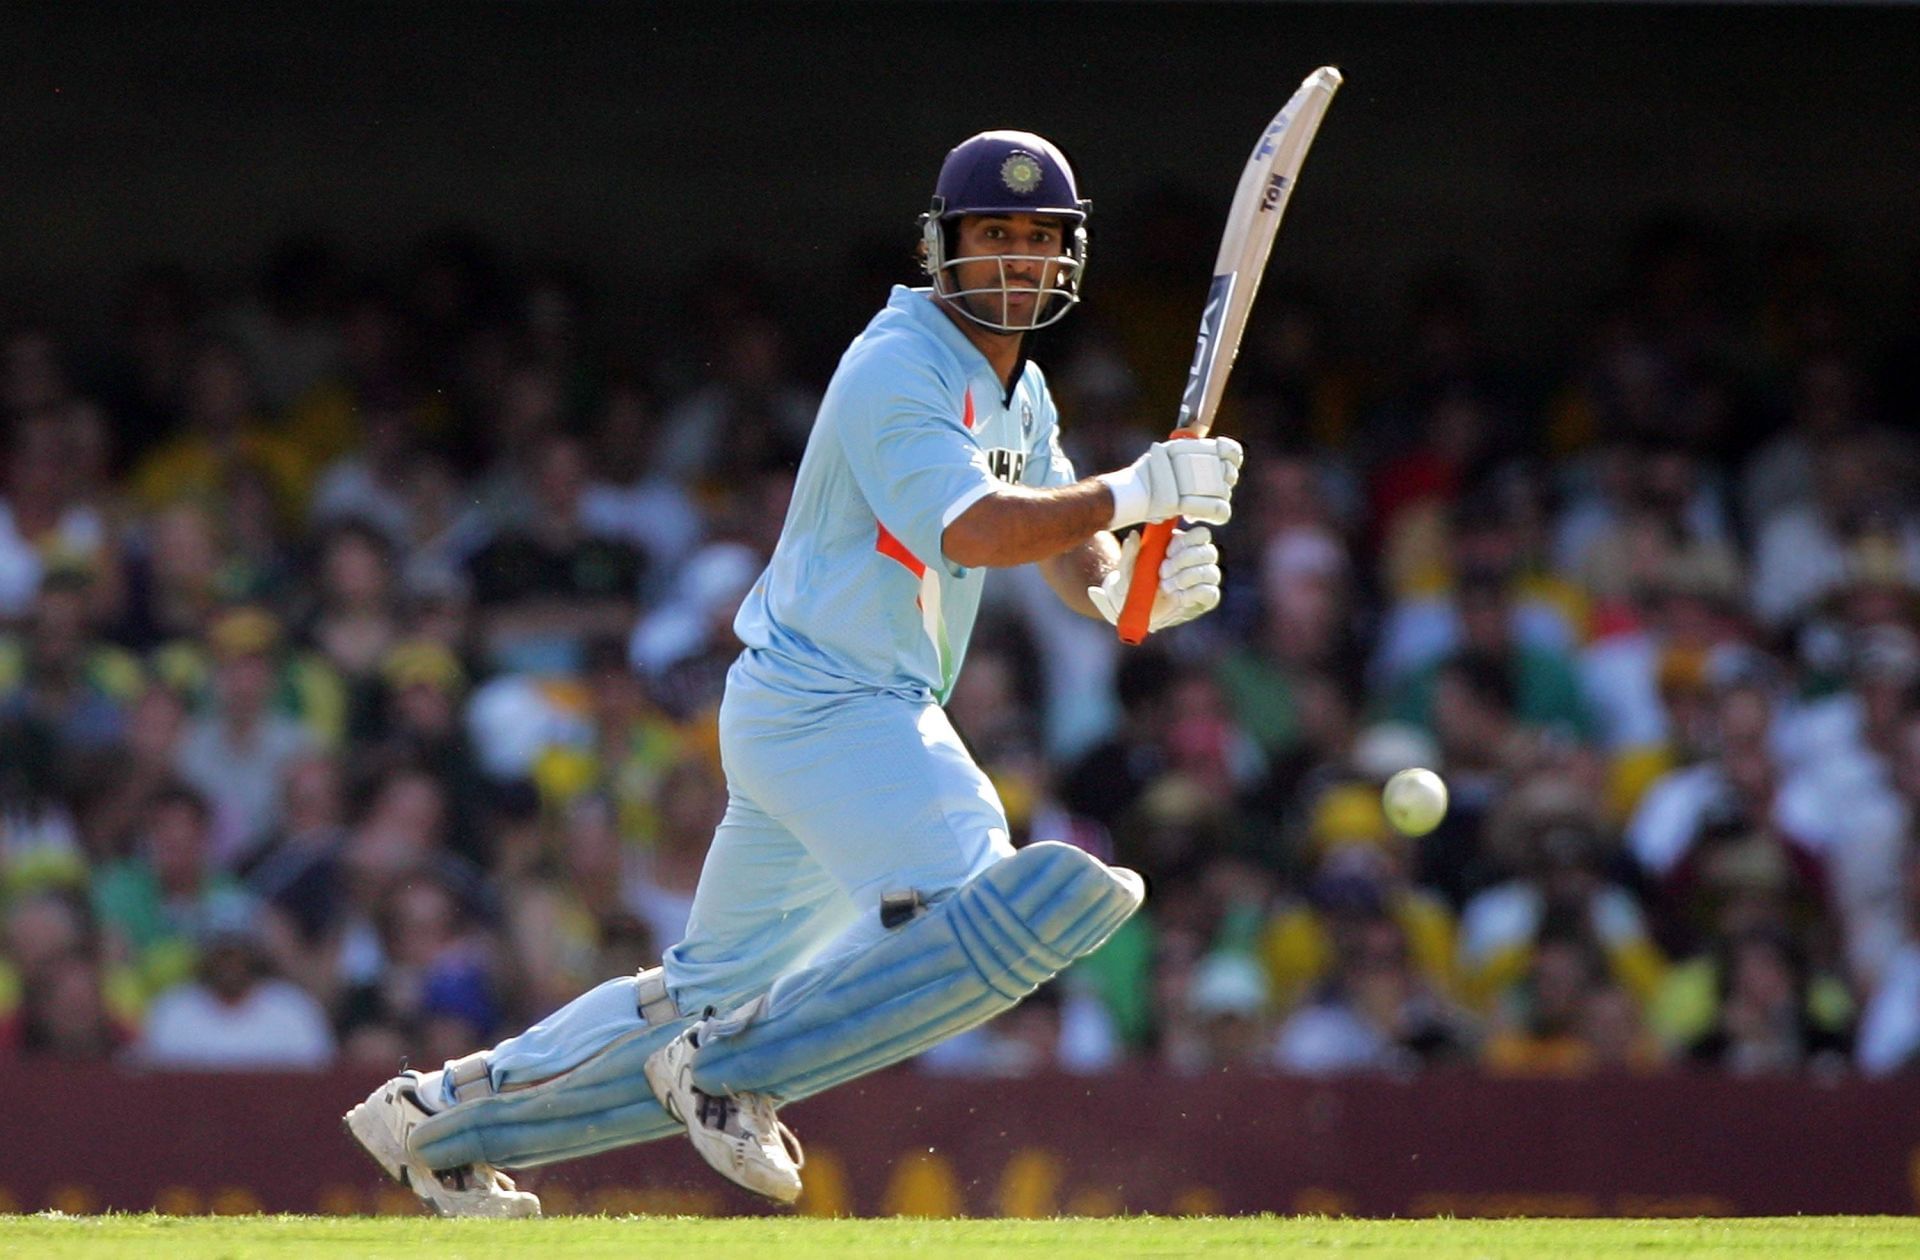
834, 801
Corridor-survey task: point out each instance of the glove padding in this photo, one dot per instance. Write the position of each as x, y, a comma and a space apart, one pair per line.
1189, 580
1190, 477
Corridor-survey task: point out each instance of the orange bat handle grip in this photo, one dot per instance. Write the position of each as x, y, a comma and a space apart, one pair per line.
1137, 612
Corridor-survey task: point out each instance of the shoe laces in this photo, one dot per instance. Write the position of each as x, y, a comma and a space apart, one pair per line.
752, 1117
764, 1124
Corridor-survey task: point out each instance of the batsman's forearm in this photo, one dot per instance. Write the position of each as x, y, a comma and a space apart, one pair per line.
1016, 525
1071, 572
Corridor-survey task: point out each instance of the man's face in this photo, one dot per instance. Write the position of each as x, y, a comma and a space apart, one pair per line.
560, 477
227, 968
1485, 614
246, 682
1019, 251
59, 627
177, 843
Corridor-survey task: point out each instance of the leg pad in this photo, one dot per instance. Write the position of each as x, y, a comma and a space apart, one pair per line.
968, 957
603, 1103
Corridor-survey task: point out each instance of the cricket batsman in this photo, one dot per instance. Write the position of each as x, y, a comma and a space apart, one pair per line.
860, 901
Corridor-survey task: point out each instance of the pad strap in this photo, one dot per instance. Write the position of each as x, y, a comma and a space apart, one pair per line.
603, 1103
656, 1004
464, 1074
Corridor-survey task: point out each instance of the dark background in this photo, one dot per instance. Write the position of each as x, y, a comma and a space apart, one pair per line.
1521, 142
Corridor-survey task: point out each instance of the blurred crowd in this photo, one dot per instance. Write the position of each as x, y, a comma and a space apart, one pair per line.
361, 634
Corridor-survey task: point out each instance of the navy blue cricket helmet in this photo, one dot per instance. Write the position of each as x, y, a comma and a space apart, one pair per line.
1007, 172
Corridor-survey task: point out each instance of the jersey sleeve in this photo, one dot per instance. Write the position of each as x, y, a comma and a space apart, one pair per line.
908, 449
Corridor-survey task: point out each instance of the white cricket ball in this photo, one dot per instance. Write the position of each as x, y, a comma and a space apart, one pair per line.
1415, 801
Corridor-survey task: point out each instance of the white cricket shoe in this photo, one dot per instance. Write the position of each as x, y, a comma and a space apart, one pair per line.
381, 1124
736, 1133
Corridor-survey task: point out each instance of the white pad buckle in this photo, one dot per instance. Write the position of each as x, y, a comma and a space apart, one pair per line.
469, 1071
657, 1006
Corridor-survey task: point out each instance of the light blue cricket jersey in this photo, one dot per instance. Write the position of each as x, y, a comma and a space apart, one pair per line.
914, 429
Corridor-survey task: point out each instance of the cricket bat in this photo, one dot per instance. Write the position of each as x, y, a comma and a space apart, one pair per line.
1259, 201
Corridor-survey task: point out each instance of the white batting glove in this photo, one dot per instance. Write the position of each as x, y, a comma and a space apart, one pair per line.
1190, 477
1189, 580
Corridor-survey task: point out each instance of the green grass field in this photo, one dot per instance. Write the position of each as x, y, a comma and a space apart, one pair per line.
766, 1238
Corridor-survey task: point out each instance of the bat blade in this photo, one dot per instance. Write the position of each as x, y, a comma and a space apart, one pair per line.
1259, 200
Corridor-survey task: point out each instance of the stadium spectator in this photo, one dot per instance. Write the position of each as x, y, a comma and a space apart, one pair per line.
1558, 887
68, 1016
1355, 858
223, 434
312, 827
1305, 612
1765, 1027
1107, 781
355, 620
1667, 520
39, 843
522, 406
61, 672
1745, 886
546, 584
1861, 500
52, 514
1889, 1039
441, 974
1826, 404
371, 376
1847, 790
1546, 688
287, 328
39, 929
750, 414
627, 500
57, 997
1374, 1013
1649, 667
1735, 774
571, 920
154, 906
236, 752
417, 702
233, 1014
667, 869
176, 583
371, 481
988, 707
1222, 1017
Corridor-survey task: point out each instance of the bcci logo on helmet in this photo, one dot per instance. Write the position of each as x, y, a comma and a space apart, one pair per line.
1021, 172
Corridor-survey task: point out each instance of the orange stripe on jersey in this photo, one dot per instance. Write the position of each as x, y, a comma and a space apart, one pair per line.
887, 545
